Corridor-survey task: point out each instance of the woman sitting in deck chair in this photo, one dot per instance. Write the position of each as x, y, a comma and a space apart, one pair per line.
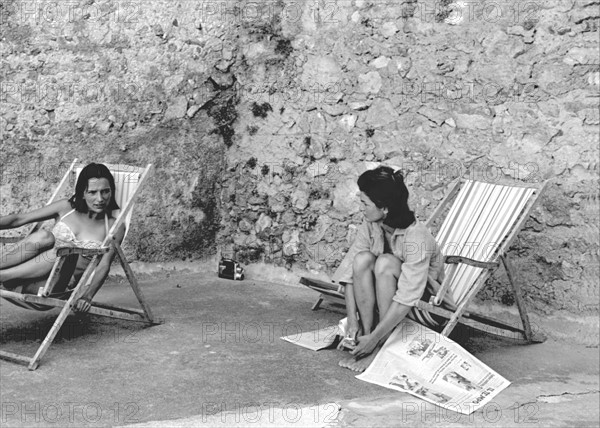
83, 220
386, 268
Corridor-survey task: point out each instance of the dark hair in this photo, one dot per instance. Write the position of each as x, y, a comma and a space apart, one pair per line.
93, 170
386, 189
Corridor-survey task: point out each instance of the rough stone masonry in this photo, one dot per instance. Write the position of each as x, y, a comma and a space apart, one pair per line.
259, 116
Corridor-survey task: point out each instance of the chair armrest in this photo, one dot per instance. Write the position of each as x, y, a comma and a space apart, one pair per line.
65, 251
10, 239
470, 262
454, 261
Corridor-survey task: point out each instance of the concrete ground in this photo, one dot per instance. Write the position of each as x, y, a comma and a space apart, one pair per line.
218, 361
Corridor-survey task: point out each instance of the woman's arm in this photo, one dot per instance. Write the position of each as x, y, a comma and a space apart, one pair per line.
101, 273
45, 213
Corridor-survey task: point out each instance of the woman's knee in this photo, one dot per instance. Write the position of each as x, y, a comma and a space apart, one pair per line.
387, 264
42, 239
365, 260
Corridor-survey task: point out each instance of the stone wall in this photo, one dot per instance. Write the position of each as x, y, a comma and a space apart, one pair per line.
492, 91
259, 117
120, 82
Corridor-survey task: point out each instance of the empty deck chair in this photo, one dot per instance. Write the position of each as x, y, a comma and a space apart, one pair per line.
475, 236
128, 183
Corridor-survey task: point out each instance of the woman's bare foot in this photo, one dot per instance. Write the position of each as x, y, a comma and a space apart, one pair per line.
359, 365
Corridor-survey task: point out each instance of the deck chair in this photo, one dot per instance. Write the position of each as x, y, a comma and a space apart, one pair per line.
478, 229
128, 183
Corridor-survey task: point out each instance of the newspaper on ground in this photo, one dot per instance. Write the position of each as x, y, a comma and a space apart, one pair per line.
417, 360
315, 339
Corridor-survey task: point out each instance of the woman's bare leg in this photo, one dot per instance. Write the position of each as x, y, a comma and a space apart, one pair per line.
38, 267
33, 287
363, 288
386, 271
27, 249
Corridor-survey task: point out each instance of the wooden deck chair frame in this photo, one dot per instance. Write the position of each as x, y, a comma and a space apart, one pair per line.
125, 177
461, 314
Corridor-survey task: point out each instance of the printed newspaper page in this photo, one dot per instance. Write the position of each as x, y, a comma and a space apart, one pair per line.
315, 339
417, 360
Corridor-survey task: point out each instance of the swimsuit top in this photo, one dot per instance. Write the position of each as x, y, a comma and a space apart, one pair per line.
64, 236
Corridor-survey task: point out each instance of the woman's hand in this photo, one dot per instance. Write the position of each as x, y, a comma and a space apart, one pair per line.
352, 332
84, 304
353, 329
366, 345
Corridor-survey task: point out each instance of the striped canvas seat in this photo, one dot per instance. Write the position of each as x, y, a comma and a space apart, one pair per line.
475, 236
477, 225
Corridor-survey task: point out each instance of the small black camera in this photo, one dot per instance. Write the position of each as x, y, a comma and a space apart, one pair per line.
230, 269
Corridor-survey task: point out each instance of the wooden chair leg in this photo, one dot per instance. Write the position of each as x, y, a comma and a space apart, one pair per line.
18, 359
318, 303
456, 317
134, 284
63, 315
518, 297
50, 336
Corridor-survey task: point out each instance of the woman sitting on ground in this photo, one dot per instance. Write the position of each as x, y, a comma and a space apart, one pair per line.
387, 266
81, 221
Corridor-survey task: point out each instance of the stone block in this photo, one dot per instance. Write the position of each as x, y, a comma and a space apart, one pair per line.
321, 72
103, 127
177, 109
380, 113
388, 29
345, 199
380, 62
348, 122
369, 83
323, 223
472, 121
263, 222
191, 112
291, 242
300, 199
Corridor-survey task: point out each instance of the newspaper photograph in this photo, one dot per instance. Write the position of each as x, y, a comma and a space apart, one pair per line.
421, 362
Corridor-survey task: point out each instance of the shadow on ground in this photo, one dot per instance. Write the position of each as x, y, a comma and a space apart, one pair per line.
219, 351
